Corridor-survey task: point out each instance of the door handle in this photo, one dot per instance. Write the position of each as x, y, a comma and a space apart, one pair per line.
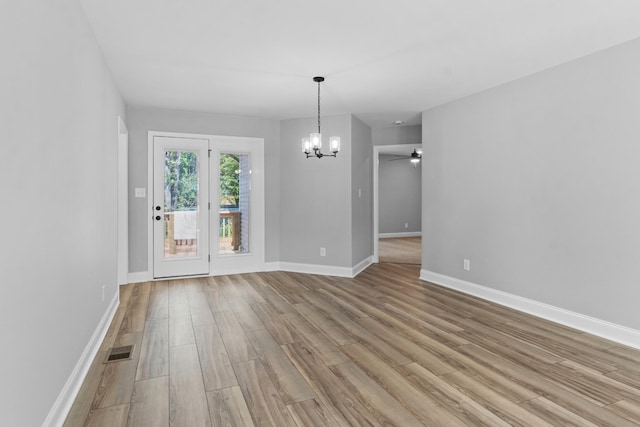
158, 208
158, 217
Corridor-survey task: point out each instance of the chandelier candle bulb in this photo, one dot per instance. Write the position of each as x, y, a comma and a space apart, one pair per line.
306, 145
316, 140
334, 144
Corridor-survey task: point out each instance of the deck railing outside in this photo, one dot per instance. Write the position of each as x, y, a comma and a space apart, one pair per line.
230, 229
228, 232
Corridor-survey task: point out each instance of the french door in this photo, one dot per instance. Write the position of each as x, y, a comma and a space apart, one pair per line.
208, 205
237, 205
180, 206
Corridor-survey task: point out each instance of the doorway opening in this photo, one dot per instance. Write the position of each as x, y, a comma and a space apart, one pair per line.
397, 199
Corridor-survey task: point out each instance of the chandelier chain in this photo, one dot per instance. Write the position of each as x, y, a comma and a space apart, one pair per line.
318, 107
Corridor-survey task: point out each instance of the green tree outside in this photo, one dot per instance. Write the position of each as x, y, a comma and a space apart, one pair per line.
229, 179
181, 180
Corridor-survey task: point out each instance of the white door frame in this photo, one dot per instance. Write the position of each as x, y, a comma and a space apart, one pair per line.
123, 203
259, 213
377, 150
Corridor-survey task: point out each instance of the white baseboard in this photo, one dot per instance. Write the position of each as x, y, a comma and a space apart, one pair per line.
272, 266
407, 234
361, 266
62, 406
611, 331
325, 270
139, 277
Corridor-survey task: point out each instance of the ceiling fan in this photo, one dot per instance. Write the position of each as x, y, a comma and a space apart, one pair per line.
414, 157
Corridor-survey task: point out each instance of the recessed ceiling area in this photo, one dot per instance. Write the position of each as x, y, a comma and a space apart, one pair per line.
383, 61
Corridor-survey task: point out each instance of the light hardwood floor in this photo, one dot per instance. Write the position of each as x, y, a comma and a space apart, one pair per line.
403, 250
383, 349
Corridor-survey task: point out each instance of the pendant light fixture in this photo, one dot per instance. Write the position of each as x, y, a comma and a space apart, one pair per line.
416, 156
312, 146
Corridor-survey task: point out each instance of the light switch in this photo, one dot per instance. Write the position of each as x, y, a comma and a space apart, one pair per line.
141, 192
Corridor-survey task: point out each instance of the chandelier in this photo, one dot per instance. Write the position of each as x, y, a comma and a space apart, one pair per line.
312, 145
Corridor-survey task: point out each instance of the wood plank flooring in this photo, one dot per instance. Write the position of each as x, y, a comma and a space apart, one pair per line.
383, 349
403, 250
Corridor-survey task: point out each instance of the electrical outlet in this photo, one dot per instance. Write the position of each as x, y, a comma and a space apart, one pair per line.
141, 192
467, 265
406, 225
323, 252
103, 288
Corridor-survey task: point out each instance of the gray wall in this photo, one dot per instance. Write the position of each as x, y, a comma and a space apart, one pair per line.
397, 135
141, 120
537, 183
316, 195
361, 191
400, 195
59, 111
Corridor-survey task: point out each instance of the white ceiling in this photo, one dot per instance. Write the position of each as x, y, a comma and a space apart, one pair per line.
383, 60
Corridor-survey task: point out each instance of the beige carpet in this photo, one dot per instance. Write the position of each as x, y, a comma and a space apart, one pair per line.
402, 250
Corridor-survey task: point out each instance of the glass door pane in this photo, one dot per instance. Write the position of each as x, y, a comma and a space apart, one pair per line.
181, 213
233, 227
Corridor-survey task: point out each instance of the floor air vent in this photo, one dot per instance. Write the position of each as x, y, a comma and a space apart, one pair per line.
117, 354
